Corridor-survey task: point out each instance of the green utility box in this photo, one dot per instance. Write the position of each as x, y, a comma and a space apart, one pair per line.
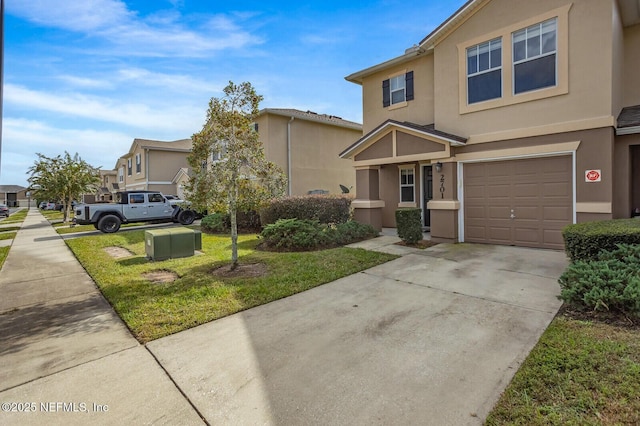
171, 243
157, 244
197, 240
182, 242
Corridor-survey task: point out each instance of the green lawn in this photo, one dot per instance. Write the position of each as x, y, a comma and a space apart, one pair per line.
579, 373
7, 235
4, 251
17, 217
153, 310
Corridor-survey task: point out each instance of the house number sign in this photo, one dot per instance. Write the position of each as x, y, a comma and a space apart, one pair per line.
441, 186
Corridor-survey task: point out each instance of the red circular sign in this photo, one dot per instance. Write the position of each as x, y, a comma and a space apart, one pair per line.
593, 175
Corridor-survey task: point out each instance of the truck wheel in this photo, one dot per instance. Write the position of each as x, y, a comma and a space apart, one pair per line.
186, 217
109, 224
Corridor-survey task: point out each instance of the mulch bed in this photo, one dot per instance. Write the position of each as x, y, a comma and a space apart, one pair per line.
614, 318
250, 270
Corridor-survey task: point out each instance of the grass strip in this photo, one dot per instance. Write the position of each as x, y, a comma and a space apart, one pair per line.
198, 295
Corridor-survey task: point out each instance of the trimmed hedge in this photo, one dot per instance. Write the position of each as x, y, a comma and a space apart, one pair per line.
609, 283
323, 208
409, 225
216, 223
584, 241
296, 235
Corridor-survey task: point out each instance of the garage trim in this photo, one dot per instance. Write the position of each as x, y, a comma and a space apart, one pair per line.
460, 171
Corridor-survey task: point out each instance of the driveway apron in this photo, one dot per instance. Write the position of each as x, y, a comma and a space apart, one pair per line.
433, 337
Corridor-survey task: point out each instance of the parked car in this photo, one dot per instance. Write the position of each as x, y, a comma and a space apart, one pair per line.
4, 210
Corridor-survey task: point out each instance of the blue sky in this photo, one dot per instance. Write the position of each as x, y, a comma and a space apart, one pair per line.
89, 76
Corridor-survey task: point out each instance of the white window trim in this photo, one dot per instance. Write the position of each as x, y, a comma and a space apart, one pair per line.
138, 163
129, 167
533, 58
399, 77
401, 202
490, 69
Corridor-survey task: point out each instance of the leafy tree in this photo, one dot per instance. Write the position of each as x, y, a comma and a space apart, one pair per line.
63, 179
230, 172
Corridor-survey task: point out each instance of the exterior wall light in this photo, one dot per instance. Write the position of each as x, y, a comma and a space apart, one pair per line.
438, 167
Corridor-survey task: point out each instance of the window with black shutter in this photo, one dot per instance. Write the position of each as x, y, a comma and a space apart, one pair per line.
397, 89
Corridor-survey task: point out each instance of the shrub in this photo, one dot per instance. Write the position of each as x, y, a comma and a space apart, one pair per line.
611, 282
221, 222
409, 224
214, 223
323, 208
351, 231
583, 241
295, 234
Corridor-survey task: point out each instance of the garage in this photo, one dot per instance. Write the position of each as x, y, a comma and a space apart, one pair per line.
523, 202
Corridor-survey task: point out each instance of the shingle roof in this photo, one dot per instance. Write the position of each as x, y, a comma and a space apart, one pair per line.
313, 116
629, 117
11, 188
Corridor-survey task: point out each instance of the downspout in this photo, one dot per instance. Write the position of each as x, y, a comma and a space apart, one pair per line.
146, 168
289, 155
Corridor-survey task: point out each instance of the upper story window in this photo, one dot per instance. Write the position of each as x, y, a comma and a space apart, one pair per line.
534, 57
129, 167
121, 174
220, 154
138, 163
397, 89
407, 185
484, 71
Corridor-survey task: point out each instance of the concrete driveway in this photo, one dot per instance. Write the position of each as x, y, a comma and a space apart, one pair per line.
430, 338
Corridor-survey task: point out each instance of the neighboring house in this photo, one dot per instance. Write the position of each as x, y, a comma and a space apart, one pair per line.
15, 196
511, 120
306, 146
152, 165
107, 187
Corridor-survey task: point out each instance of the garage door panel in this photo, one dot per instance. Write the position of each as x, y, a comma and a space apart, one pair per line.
538, 190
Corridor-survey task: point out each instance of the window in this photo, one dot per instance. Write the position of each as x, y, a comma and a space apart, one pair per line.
121, 174
156, 198
484, 71
129, 167
397, 89
136, 199
407, 185
534, 57
219, 155
138, 163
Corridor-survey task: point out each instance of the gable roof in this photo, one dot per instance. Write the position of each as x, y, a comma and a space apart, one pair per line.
426, 130
629, 13
312, 116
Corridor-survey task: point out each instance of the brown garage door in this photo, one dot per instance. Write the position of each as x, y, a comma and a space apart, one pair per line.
518, 202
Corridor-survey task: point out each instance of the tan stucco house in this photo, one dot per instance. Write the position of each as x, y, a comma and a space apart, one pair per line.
152, 165
306, 145
512, 119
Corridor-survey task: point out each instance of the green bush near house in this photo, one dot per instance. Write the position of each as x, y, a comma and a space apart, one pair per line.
584, 241
300, 235
322, 208
609, 283
409, 224
217, 223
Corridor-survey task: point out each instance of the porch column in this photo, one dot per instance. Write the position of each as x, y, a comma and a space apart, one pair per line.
444, 206
367, 207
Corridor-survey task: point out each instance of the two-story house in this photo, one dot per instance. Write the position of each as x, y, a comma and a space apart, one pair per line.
153, 165
510, 120
306, 146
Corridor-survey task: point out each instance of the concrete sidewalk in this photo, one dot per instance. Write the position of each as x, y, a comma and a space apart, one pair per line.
430, 338
63, 349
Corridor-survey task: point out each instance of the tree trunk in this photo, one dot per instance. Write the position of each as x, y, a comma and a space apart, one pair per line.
234, 236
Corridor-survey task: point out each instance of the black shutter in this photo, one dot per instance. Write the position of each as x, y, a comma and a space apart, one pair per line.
386, 94
408, 78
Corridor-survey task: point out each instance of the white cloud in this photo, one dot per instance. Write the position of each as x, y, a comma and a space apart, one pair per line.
86, 83
161, 34
169, 117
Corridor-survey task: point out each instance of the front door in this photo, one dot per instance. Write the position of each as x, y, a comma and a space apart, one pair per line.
427, 192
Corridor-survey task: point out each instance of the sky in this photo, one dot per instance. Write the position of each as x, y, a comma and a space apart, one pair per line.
90, 76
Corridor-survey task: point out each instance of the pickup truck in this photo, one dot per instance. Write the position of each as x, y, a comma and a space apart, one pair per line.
133, 206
